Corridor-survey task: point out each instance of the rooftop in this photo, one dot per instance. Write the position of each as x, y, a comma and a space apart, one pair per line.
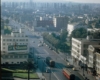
86, 40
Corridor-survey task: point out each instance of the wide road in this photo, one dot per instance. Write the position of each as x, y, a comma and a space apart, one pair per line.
43, 52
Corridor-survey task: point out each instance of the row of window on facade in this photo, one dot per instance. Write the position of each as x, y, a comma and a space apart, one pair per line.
20, 36
76, 49
15, 39
85, 45
16, 43
13, 63
98, 69
74, 42
15, 56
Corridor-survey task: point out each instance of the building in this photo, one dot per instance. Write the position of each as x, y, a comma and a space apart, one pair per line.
79, 50
94, 57
73, 26
44, 23
14, 47
60, 22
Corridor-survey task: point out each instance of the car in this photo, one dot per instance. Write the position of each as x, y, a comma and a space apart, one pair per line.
35, 66
39, 45
48, 70
38, 57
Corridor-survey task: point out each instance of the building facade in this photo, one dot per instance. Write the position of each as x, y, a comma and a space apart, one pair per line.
60, 22
79, 50
94, 57
14, 47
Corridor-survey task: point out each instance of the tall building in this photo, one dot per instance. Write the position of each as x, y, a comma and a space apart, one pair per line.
60, 22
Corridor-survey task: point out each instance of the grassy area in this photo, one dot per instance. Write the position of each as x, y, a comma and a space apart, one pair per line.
25, 75
22, 73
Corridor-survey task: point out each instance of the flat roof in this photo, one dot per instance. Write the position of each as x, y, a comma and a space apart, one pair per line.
86, 40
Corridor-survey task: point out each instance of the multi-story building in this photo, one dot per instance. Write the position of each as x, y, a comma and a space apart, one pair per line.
79, 50
60, 22
14, 47
94, 57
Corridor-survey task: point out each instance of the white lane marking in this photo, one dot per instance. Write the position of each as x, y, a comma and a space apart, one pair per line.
55, 76
45, 51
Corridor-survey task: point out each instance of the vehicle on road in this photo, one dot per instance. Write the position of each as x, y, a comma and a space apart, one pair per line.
50, 62
38, 57
48, 70
39, 45
68, 74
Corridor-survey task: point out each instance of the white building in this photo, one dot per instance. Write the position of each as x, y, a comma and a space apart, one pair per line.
14, 47
94, 57
79, 50
71, 27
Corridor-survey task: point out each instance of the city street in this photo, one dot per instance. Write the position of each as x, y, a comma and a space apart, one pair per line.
43, 52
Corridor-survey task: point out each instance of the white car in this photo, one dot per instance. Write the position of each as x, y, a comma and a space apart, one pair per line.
39, 45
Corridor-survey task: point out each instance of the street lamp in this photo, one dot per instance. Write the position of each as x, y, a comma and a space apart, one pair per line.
42, 68
83, 65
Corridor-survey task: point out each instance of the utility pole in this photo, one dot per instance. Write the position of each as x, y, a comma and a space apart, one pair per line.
50, 74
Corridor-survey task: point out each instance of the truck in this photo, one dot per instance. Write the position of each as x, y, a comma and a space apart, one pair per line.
50, 62
68, 74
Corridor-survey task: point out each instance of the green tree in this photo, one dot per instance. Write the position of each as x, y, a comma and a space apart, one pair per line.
79, 33
63, 35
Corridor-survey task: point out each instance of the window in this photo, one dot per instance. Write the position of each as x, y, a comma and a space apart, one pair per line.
11, 56
7, 39
14, 35
3, 43
3, 47
6, 56
26, 39
3, 39
16, 39
13, 39
16, 56
10, 39
25, 56
20, 56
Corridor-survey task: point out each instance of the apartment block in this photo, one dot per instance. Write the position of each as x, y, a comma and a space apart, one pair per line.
79, 50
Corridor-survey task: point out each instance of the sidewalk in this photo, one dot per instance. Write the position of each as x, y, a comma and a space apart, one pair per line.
80, 71
86, 74
40, 75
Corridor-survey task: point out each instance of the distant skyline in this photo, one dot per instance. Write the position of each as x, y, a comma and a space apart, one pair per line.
79, 1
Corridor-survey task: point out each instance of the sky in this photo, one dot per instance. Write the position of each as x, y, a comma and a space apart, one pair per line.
80, 1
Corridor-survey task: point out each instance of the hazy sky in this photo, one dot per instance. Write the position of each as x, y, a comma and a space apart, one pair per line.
83, 1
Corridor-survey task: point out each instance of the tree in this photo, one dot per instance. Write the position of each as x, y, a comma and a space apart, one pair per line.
79, 33
29, 66
63, 35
